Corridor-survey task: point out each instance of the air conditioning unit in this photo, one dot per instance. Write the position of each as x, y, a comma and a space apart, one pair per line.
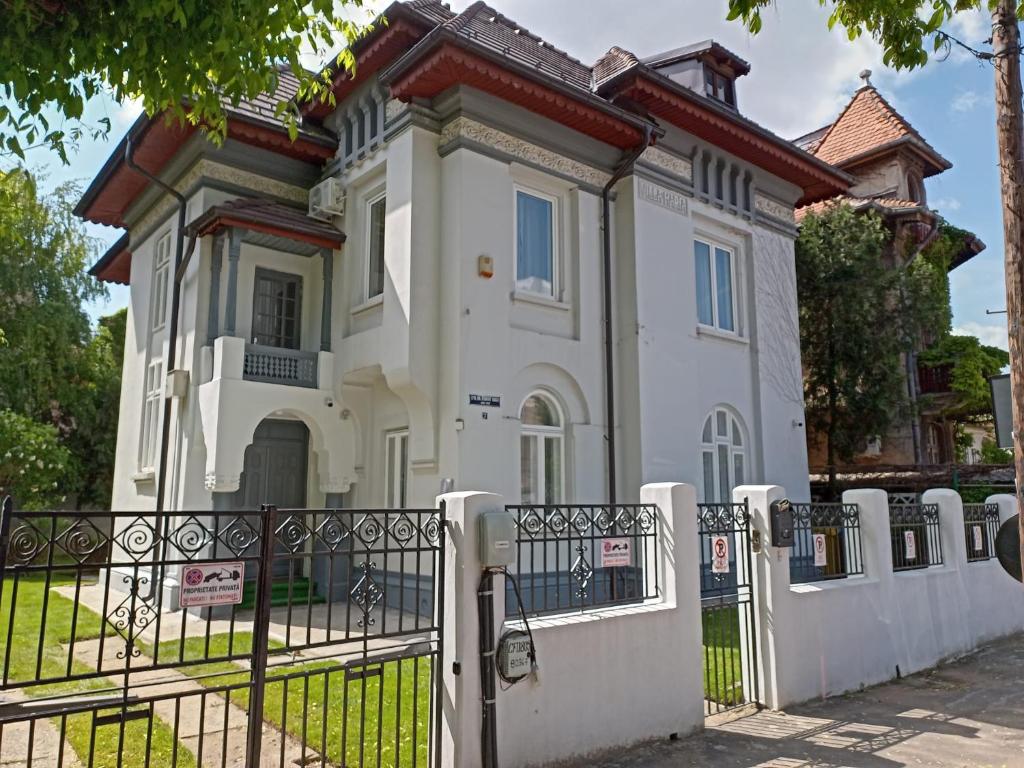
327, 199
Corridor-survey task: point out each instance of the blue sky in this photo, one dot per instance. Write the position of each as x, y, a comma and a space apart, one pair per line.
801, 77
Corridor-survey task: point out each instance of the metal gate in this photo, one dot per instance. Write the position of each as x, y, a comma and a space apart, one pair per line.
728, 611
333, 659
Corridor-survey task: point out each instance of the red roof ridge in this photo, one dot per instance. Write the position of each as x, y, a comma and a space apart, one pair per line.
867, 123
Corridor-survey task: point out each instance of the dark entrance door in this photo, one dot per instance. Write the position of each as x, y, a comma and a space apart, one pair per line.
274, 471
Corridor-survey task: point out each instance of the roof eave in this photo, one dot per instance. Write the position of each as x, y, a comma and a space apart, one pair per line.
934, 162
441, 36
840, 179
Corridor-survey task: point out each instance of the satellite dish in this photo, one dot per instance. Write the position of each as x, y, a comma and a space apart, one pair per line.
1008, 547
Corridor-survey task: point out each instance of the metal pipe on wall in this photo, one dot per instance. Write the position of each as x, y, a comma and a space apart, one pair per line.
609, 341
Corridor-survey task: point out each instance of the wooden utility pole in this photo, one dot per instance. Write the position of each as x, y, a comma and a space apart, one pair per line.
1009, 128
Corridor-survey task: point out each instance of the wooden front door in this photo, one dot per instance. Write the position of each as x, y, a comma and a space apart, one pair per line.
274, 470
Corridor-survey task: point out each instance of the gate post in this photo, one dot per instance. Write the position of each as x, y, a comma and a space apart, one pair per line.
261, 635
460, 706
770, 580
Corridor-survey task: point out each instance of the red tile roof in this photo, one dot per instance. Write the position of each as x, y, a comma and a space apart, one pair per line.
870, 123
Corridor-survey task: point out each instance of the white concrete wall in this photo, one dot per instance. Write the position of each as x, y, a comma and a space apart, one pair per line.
825, 638
607, 678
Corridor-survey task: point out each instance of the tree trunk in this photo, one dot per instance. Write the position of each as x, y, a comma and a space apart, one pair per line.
1009, 126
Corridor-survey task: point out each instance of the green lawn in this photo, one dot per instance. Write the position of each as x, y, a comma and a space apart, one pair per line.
27, 664
316, 688
723, 674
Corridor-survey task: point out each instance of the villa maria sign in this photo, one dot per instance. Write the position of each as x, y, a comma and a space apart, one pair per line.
666, 198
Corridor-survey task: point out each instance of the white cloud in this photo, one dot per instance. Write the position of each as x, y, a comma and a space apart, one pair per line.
801, 76
965, 101
993, 334
946, 204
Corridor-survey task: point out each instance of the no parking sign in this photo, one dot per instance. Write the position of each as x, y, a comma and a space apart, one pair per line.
820, 555
719, 554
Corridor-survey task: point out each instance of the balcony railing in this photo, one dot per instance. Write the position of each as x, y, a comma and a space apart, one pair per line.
935, 380
274, 365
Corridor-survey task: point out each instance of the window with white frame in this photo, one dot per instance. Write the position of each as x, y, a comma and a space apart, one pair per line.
396, 465
723, 456
154, 391
715, 271
541, 450
536, 243
376, 208
161, 273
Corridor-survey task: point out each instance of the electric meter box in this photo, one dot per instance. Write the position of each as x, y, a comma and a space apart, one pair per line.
497, 530
781, 514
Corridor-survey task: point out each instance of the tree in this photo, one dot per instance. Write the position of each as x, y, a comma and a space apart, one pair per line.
44, 254
903, 28
853, 380
54, 371
34, 465
187, 57
972, 363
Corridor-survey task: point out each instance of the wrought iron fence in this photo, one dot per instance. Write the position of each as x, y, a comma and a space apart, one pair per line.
580, 557
915, 537
827, 542
329, 654
981, 525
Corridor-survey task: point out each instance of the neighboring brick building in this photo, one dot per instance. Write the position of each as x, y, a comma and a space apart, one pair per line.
889, 161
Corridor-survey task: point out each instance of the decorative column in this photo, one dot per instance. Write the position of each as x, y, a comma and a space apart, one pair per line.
216, 257
234, 252
327, 255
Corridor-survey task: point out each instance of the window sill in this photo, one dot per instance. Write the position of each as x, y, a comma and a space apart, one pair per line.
368, 305
714, 333
541, 301
144, 476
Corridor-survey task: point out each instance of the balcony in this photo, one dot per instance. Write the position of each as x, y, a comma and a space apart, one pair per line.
935, 380
274, 365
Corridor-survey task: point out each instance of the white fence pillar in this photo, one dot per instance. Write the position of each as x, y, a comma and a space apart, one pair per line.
770, 592
680, 582
876, 546
461, 711
951, 525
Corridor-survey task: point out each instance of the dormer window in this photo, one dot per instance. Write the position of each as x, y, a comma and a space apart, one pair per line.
718, 86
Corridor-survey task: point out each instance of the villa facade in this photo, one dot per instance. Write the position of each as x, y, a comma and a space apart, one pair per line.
411, 296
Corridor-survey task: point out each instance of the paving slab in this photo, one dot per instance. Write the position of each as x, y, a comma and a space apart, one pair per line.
969, 712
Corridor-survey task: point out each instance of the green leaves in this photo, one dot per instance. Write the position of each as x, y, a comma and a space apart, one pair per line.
901, 27
165, 53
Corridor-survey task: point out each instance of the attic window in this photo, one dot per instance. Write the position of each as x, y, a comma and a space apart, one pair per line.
718, 86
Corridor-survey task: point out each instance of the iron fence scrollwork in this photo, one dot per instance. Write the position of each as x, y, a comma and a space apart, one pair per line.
340, 620
559, 556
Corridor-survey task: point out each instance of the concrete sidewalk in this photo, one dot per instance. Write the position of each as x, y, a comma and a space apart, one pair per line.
966, 713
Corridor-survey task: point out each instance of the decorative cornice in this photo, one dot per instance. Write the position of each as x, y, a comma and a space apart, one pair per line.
465, 128
334, 484
668, 162
773, 208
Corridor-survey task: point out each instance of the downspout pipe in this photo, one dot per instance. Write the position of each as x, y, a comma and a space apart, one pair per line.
181, 260
609, 341
172, 343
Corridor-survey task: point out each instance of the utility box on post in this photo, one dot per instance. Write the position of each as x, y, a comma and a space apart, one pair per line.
497, 531
781, 514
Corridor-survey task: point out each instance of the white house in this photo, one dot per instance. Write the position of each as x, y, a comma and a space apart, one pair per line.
413, 291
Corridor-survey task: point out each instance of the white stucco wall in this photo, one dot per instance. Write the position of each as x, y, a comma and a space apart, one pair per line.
825, 638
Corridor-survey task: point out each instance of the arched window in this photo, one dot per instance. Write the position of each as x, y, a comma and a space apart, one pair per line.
541, 450
723, 455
